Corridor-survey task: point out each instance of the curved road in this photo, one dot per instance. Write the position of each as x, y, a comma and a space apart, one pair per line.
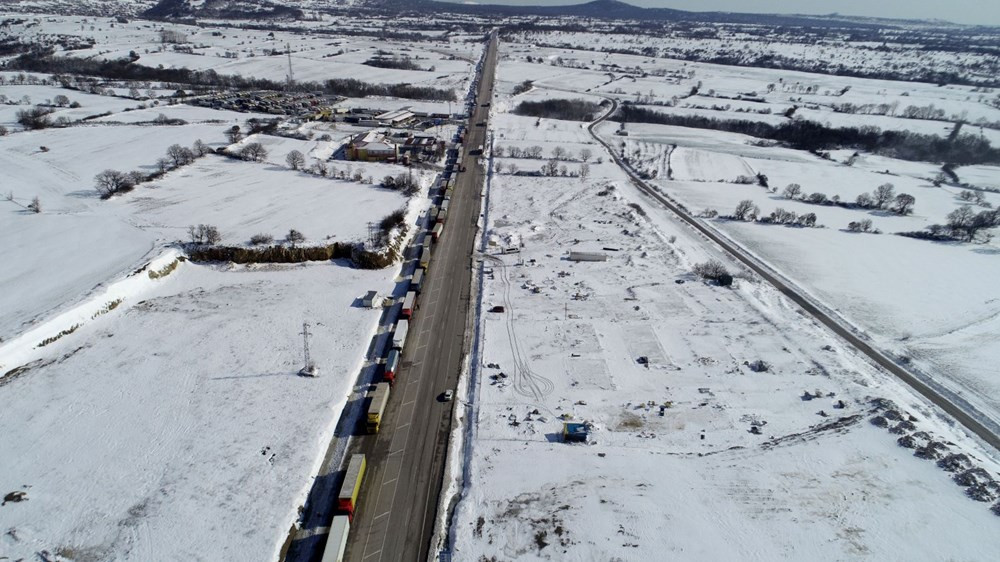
963, 413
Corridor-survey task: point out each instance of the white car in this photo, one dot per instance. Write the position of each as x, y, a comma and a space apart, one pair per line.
448, 395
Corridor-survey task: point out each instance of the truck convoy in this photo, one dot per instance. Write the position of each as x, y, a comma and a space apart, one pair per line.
351, 486
376, 408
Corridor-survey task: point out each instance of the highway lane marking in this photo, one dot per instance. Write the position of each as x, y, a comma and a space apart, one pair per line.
386, 483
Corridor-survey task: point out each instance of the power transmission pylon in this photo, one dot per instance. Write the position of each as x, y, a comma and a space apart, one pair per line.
310, 369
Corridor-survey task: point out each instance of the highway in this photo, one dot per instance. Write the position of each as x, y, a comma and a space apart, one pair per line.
964, 413
399, 497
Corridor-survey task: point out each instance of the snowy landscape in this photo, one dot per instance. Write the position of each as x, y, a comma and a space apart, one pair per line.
193, 222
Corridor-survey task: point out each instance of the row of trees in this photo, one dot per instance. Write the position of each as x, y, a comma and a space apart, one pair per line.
112, 182
812, 136
747, 210
558, 153
570, 110
883, 197
127, 69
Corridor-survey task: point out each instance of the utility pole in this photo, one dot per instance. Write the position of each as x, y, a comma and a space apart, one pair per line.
310, 369
290, 78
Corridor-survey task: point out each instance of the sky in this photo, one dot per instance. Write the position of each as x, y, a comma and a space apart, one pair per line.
982, 12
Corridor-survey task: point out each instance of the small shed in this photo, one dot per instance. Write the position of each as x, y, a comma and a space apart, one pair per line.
575, 432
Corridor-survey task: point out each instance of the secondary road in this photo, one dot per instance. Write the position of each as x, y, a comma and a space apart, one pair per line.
964, 413
399, 497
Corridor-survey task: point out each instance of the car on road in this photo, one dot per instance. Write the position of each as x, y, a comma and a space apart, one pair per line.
481, 124
447, 395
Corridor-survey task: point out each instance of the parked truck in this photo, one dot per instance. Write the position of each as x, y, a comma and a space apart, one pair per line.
425, 259
347, 500
399, 334
336, 542
417, 281
376, 407
409, 302
391, 366
438, 230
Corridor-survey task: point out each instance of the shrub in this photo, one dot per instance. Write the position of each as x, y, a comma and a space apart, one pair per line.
711, 269
258, 239
295, 237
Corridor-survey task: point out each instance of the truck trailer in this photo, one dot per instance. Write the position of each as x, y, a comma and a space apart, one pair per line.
336, 542
376, 408
347, 500
409, 302
438, 230
425, 258
391, 366
399, 334
417, 280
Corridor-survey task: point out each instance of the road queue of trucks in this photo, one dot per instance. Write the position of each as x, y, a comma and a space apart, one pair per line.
399, 334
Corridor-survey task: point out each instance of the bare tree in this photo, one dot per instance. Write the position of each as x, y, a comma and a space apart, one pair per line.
514, 151
61, 100
110, 182
254, 152
512, 168
883, 195
498, 151
904, 203
234, 134
559, 153
550, 168
179, 155
585, 154
319, 168
163, 165
745, 210
200, 149
533, 152
295, 159
792, 191
35, 206
584, 170
135, 177
864, 201
204, 234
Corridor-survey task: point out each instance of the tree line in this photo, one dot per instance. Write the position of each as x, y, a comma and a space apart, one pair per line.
570, 110
126, 69
808, 135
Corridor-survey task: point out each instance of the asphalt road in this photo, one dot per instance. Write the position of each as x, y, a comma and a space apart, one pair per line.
399, 497
964, 413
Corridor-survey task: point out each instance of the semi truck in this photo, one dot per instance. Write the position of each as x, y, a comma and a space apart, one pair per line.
336, 542
409, 302
438, 230
425, 259
391, 366
399, 334
442, 215
417, 280
376, 408
347, 499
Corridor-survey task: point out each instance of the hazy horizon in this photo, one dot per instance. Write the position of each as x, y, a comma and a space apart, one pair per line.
972, 12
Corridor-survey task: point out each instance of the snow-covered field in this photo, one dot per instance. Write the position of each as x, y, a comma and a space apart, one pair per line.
672, 480
179, 429
912, 297
694, 454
